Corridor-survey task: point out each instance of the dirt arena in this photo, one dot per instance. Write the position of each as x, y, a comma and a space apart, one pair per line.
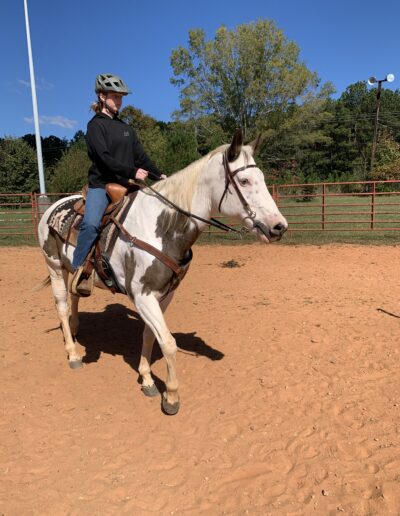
289, 370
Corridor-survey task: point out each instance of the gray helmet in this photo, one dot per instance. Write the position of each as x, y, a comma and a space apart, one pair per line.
110, 82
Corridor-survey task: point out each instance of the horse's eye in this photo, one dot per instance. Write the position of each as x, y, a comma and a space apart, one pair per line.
244, 182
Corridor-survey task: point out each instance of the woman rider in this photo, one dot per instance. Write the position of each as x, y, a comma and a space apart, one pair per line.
117, 156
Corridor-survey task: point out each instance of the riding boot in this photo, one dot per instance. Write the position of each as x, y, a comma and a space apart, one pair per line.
82, 283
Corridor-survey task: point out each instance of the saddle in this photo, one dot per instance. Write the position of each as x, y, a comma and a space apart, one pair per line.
115, 193
66, 220
98, 257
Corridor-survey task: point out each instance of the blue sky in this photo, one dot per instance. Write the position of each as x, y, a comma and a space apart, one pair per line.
74, 40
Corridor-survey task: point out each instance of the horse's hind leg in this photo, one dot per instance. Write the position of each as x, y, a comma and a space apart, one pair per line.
148, 386
59, 282
150, 311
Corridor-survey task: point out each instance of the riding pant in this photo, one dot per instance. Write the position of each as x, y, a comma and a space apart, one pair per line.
95, 206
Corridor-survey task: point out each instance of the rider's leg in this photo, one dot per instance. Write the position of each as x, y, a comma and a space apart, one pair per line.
95, 206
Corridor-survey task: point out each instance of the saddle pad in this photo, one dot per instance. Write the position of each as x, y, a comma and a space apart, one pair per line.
66, 223
63, 216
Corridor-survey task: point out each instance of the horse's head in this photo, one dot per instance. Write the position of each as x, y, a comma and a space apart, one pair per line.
241, 192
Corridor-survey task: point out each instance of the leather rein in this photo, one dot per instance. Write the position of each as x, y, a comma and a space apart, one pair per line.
230, 180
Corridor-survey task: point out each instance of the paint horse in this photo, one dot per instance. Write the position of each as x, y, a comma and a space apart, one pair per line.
227, 179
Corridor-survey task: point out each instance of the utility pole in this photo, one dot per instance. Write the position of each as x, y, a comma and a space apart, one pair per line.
372, 80
43, 199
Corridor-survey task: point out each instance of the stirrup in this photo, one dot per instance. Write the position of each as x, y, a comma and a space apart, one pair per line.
81, 284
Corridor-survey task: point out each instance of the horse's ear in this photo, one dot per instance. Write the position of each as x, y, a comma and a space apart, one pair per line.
236, 146
256, 144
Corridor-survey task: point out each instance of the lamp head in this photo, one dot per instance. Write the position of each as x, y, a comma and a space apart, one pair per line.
390, 77
372, 80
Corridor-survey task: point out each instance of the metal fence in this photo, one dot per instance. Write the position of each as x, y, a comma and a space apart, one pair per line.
346, 206
312, 207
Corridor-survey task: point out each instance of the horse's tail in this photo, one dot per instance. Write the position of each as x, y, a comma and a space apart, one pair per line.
43, 284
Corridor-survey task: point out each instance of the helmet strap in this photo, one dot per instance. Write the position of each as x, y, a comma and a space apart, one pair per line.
105, 106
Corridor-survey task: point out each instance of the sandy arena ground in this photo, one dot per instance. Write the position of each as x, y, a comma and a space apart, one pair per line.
289, 370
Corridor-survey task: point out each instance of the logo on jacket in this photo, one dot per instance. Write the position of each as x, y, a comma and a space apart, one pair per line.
126, 133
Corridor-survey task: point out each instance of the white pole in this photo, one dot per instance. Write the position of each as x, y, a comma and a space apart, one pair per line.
34, 102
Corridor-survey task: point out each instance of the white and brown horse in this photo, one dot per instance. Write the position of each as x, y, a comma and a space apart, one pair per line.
226, 179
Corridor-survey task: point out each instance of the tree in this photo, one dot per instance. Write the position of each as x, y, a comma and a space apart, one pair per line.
78, 139
240, 76
150, 132
52, 148
297, 143
181, 143
387, 162
71, 171
18, 166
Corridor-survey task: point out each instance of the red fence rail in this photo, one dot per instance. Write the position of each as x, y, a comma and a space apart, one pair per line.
345, 206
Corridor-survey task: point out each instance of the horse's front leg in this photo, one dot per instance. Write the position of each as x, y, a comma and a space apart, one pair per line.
148, 386
74, 319
59, 284
151, 313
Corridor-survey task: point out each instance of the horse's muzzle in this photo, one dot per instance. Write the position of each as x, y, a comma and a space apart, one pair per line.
273, 234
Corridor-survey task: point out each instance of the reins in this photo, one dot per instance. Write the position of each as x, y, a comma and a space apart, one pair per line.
230, 180
211, 222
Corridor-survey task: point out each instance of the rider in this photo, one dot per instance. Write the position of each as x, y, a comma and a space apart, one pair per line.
117, 156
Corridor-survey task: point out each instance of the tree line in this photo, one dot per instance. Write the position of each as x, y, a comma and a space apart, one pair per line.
249, 77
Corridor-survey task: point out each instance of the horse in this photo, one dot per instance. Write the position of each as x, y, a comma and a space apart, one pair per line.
169, 216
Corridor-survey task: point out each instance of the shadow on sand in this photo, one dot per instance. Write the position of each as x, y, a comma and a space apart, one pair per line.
118, 331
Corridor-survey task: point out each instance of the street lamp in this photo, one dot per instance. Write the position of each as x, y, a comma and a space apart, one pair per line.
372, 80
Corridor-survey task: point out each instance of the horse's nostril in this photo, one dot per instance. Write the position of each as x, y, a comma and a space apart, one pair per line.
279, 228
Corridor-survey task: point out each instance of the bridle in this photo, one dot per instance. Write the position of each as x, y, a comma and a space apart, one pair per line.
230, 180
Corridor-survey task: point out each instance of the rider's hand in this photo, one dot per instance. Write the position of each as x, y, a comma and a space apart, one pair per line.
163, 176
141, 173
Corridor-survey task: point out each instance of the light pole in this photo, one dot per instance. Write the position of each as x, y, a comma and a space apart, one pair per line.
43, 199
372, 80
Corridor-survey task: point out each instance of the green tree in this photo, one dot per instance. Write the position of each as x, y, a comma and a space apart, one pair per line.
78, 139
150, 132
18, 166
387, 159
71, 171
182, 146
240, 76
296, 147
52, 148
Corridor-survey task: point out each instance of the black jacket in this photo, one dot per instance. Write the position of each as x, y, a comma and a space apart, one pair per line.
115, 151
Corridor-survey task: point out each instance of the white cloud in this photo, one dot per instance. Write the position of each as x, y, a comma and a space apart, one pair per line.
41, 84
59, 120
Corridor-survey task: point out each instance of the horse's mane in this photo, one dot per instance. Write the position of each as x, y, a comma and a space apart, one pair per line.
181, 186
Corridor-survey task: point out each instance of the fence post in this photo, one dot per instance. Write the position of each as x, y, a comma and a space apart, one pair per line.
273, 193
323, 205
373, 205
34, 214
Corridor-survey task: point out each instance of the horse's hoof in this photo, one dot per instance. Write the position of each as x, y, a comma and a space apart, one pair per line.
150, 390
75, 364
170, 408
